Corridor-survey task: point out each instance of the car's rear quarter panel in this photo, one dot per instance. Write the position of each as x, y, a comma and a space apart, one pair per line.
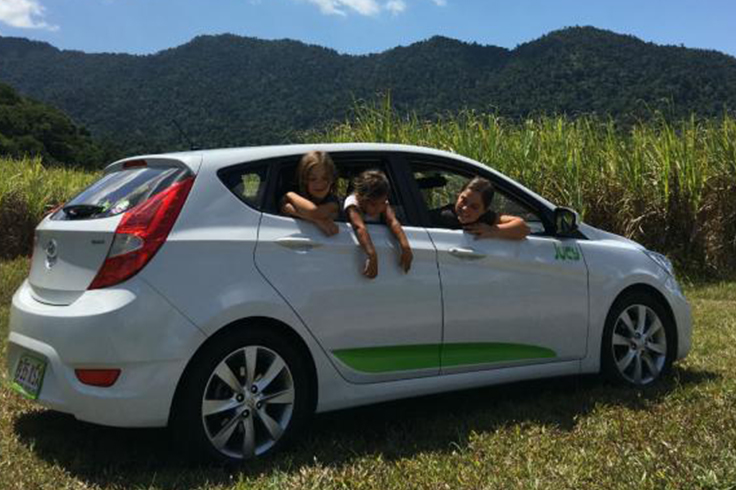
206, 270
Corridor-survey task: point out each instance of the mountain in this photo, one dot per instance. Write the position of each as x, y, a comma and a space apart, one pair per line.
228, 90
28, 127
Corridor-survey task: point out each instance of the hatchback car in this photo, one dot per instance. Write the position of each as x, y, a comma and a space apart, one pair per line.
173, 292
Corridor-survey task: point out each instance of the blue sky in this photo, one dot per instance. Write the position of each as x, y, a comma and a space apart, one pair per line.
359, 26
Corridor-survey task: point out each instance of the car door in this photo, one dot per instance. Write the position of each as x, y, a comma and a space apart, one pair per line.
506, 302
374, 330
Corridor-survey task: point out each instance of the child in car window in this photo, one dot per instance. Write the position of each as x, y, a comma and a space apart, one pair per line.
471, 212
369, 204
316, 200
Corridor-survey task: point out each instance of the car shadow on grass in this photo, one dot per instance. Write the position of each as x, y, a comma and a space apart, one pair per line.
121, 458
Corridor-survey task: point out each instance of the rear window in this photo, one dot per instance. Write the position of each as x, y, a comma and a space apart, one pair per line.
247, 182
117, 192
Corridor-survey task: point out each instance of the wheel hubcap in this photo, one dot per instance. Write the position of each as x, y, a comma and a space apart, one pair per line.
248, 402
639, 344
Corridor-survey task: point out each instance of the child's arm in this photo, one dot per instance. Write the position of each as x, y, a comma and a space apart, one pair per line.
364, 238
395, 226
321, 215
308, 210
507, 227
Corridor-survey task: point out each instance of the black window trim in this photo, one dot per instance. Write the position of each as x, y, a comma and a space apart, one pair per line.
512, 192
397, 177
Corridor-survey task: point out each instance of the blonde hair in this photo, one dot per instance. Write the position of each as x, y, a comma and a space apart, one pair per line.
310, 161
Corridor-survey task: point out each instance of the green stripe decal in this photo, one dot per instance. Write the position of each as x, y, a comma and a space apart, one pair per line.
408, 357
483, 353
392, 358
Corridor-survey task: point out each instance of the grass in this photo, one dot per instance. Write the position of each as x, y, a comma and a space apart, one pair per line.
668, 185
28, 190
576, 432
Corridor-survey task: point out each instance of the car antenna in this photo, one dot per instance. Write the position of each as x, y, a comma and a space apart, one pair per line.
192, 146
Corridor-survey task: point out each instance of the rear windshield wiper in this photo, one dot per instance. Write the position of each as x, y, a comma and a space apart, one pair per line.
74, 211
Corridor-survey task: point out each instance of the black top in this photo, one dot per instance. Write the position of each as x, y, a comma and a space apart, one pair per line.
445, 217
329, 198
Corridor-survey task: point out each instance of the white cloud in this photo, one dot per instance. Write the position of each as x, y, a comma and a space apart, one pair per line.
339, 7
364, 7
26, 14
395, 6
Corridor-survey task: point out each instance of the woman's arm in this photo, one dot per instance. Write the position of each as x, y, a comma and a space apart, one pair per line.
395, 226
364, 238
507, 227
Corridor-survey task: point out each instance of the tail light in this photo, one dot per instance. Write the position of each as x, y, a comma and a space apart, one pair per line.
140, 234
104, 378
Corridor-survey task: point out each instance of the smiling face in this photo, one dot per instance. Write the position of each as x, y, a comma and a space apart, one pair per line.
469, 206
373, 206
319, 182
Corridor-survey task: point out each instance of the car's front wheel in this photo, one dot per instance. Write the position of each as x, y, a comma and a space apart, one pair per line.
244, 396
638, 340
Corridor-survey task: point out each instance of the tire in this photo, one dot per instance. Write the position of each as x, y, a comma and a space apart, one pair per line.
245, 395
639, 340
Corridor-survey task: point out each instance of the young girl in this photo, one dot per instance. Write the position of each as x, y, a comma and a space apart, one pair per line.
471, 212
369, 204
316, 201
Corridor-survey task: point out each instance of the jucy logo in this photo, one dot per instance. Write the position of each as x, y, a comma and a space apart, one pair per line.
566, 252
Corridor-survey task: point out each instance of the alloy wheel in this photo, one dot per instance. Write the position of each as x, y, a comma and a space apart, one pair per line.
248, 402
639, 345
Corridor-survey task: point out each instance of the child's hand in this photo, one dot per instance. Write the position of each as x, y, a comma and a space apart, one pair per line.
371, 266
289, 209
406, 257
327, 226
480, 230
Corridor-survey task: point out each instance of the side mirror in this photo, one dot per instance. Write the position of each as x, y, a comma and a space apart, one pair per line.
566, 221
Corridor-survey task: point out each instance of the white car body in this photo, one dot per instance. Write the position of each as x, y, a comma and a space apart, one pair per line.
225, 262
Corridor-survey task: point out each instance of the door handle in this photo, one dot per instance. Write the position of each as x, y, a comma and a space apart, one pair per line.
297, 243
466, 253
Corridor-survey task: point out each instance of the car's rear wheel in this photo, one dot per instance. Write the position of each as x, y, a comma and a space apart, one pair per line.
244, 396
638, 340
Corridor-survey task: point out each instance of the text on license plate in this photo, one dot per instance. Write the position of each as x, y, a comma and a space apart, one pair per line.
28, 377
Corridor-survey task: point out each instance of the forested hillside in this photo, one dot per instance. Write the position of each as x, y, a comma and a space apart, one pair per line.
30, 128
227, 90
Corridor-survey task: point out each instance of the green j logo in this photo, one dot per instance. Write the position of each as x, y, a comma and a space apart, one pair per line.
566, 252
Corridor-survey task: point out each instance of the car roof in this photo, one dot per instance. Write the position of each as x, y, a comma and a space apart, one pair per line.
213, 160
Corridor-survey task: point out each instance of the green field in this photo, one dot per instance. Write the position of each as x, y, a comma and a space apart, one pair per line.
669, 186
561, 433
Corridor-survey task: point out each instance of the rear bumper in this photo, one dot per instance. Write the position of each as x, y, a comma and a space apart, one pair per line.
130, 327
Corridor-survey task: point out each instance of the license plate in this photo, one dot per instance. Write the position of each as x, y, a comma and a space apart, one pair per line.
28, 377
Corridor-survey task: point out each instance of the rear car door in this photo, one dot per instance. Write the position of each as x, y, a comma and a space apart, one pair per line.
374, 330
506, 302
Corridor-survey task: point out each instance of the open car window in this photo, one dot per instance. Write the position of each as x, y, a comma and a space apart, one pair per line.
348, 167
440, 186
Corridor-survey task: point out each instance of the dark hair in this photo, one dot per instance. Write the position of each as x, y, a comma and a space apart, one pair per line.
371, 184
308, 162
484, 187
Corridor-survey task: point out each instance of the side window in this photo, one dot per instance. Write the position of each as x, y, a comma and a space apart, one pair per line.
247, 182
440, 187
503, 204
348, 167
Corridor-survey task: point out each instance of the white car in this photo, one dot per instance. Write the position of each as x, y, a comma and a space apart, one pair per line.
172, 292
